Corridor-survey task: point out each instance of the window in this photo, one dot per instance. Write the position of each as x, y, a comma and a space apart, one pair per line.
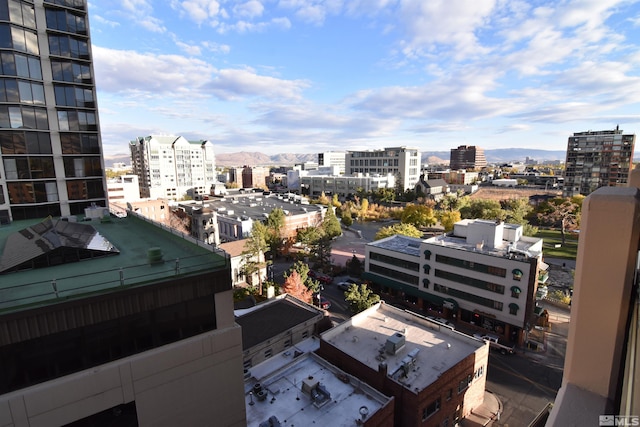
268, 353
431, 409
305, 334
449, 394
513, 308
427, 254
425, 283
427, 268
517, 274
515, 292
247, 364
464, 384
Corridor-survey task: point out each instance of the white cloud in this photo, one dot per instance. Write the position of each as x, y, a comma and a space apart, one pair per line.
250, 9
200, 10
230, 84
104, 21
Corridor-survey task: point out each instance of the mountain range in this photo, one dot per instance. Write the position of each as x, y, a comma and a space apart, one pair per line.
502, 155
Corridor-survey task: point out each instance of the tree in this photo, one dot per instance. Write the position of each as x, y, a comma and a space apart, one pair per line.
418, 215
560, 212
347, 221
360, 298
517, 210
448, 219
331, 225
303, 271
309, 236
335, 202
402, 229
364, 208
483, 209
275, 224
323, 199
294, 286
252, 255
354, 266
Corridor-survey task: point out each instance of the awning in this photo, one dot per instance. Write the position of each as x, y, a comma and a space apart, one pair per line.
514, 306
543, 266
516, 289
517, 272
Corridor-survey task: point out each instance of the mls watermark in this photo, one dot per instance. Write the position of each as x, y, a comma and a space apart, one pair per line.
619, 420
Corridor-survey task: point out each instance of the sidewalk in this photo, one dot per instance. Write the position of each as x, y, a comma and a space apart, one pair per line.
485, 414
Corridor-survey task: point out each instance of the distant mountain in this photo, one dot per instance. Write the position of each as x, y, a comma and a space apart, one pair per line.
501, 155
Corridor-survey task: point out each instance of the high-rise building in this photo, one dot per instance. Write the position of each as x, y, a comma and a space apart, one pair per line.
49, 131
170, 166
597, 159
467, 157
402, 162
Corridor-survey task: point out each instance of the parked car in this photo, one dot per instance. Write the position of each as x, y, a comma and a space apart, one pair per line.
344, 286
494, 344
325, 304
322, 278
441, 321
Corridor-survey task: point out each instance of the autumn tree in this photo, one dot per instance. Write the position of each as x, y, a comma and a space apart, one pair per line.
402, 229
360, 298
448, 219
364, 209
517, 210
562, 213
294, 286
418, 215
346, 218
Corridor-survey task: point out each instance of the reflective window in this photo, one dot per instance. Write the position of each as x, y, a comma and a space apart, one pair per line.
19, 142
68, 47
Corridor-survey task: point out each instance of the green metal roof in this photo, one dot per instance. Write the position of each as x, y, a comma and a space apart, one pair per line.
136, 240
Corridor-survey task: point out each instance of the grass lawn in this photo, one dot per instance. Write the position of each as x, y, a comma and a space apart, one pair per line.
553, 238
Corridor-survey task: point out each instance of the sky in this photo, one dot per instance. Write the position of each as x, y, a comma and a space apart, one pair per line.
308, 76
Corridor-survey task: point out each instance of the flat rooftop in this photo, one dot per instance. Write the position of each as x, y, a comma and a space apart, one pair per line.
284, 398
257, 205
132, 237
428, 350
521, 247
399, 243
272, 318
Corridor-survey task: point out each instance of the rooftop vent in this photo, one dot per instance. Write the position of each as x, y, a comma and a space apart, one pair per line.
154, 255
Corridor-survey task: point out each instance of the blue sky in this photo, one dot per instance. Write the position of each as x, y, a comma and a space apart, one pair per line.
304, 76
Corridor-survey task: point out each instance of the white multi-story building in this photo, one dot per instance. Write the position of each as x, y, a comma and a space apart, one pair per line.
344, 186
123, 188
403, 162
333, 158
484, 273
172, 167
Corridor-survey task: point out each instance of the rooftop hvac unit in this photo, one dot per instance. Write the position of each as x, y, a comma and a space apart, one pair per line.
394, 343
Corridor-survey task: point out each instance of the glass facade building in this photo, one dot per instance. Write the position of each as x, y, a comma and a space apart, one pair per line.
50, 144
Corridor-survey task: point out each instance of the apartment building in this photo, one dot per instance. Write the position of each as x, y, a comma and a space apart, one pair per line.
597, 159
467, 157
402, 162
436, 375
344, 186
484, 274
116, 321
50, 142
171, 167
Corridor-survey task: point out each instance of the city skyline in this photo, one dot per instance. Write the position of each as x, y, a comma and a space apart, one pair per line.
311, 76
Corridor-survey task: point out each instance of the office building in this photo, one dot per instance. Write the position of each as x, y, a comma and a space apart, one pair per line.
50, 143
343, 186
597, 159
254, 177
467, 157
484, 273
171, 167
333, 158
116, 321
435, 374
402, 162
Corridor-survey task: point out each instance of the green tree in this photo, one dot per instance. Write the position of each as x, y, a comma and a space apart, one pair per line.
346, 218
360, 298
309, 236
384, 195
483, 209
402, 229
252, 255
517, 210
529, 230
418, 215
354, 266
331, 225
275, 225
